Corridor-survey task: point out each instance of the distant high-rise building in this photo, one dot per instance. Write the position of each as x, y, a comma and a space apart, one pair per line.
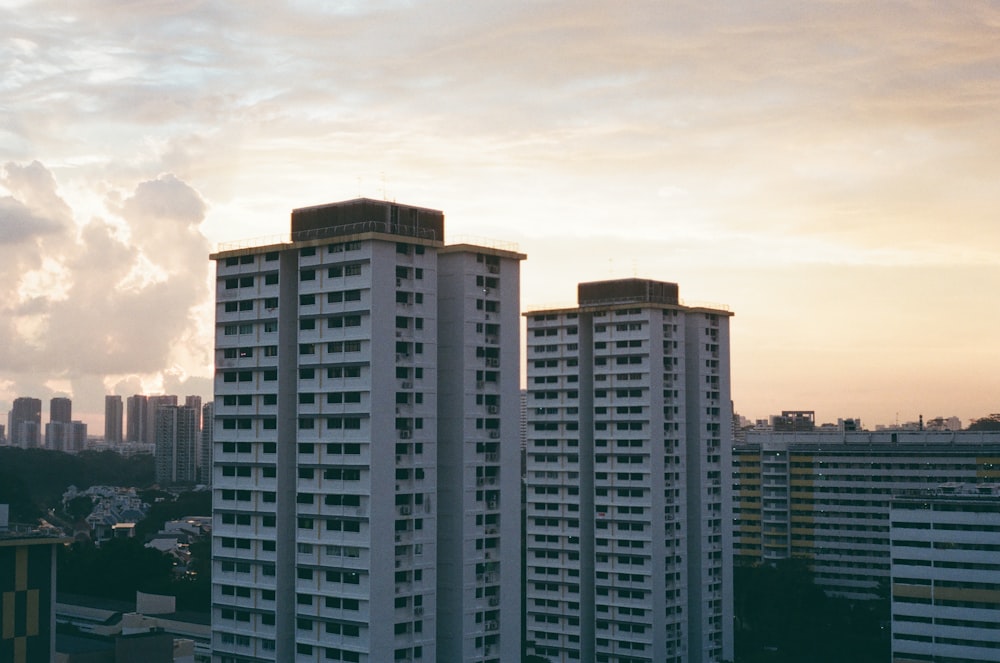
61, 409
113, 419
195, 402
628, 545
59, 429
68, 436
366, 480
176, 442
135, 422
205, 450
153, 404
25, 422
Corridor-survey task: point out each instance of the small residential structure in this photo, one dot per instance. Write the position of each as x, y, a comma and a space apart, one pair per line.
113, 507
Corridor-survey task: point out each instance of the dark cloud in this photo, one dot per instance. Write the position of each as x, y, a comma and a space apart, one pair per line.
18, 224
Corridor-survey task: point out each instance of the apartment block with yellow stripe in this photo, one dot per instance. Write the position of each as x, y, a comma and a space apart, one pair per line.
945, 574
27, 594
824, 496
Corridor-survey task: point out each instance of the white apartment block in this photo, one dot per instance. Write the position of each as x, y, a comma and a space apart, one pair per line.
944, 547
176, 443
629, 417
366, 454
824, 496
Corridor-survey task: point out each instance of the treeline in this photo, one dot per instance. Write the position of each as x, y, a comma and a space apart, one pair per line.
33, 480
121, 567
783, 617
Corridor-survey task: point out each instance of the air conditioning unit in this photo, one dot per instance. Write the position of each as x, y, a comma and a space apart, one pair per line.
492, 625
404, 510
493, 269
492, 409
406, 385
492, 362
404, 434
418, 611
494, 434
494, 601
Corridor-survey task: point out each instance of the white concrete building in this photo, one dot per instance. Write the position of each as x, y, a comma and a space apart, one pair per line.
945, 583
365, 443
176, 444
628, 552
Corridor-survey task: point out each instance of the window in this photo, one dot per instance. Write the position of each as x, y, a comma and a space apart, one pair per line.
308, 275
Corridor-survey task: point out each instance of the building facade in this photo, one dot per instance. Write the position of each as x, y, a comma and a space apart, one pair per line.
61, 409
68, 436
628, 556
205, 445
153, 405
27, 593
176, 444
365, 443
945, 584
137, 407
824, 496
25, 423
113, 419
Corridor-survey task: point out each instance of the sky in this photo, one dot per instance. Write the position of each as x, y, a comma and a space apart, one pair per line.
826, 170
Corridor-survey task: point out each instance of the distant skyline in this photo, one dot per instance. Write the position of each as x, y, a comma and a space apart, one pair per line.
827, 170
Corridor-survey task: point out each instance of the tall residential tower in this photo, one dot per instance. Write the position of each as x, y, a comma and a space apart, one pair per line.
366, 475
628, 550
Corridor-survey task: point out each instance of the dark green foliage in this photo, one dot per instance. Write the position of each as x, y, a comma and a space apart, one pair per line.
33, 480
989, 423
116, 570
195, 503
781, 616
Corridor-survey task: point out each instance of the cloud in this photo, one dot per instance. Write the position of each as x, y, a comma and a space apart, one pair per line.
91, 326
18, 224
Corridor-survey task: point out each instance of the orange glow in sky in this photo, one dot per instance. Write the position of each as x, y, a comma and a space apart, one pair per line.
827, 170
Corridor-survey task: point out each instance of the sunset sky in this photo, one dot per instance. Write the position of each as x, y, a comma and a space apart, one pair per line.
830, 171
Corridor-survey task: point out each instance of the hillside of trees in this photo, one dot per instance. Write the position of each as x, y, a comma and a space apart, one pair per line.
33, 480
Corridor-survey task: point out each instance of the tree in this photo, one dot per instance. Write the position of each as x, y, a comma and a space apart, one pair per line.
987, 423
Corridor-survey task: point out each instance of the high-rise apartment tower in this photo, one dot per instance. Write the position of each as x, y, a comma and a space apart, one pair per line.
628, 551
113, 419
176, 444
366, 443
25, 423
